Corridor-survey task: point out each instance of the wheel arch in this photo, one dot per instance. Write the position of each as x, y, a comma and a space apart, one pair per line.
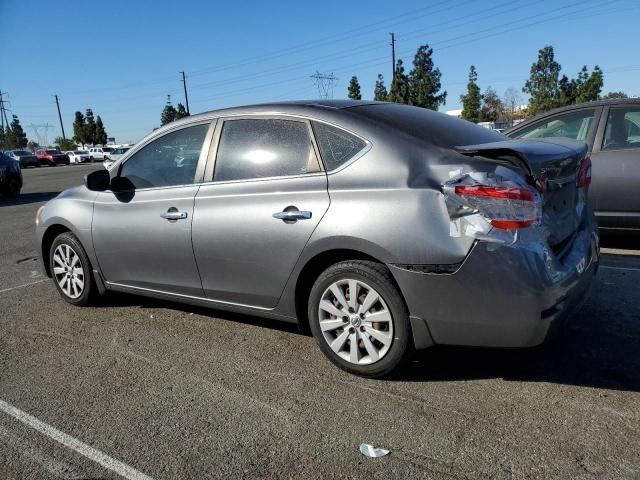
313, 267
48, 237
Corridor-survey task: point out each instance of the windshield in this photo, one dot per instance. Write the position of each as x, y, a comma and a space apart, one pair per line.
79, 152
21, 152
119, 151
52, 151
106, 149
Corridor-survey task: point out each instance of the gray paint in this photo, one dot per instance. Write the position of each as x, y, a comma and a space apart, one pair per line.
230, 253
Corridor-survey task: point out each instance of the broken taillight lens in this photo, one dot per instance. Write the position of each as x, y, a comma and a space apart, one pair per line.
506, 208
584, 173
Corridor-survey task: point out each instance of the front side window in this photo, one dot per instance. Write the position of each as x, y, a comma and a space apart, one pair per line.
574, 125
337, 147
623, 129
169, 160
261, 148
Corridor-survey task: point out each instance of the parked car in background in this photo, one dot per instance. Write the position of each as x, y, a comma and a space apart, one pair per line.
24, 157
51, 157
99, 153
114, 155
380, 227
78, 156
611, 129
10, 176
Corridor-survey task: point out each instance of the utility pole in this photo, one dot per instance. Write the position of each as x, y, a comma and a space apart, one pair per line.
186, 98
393, 55
3, 115
60, 117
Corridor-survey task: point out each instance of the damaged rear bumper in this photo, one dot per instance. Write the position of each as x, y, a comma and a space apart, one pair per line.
505, 296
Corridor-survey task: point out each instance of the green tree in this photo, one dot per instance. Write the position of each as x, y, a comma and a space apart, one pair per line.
181, 112
472, 101
354, 89
168, 113
90, 130
64, 144
3, 138
33, 145
424, 81
591, 86
611, 95
586, 87
80, 129
15, 136
380, 92
101, 133
399, 91
492, 106
542, 85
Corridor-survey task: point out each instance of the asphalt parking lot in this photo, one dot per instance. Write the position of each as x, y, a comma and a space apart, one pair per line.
172, 391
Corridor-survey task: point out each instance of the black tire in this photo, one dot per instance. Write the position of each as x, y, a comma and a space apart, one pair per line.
377, 276
90, 291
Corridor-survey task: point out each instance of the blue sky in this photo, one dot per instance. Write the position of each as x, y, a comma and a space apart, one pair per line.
122, 58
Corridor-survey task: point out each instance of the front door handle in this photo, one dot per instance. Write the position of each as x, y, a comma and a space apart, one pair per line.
292, 215
173, 214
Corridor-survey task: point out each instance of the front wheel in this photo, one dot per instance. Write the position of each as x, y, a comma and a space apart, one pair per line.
71, 270
359, 318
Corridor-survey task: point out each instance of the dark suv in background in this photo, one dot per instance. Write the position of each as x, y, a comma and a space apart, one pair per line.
611, 128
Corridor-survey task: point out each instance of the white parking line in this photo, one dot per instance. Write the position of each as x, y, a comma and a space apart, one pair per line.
23, 285
620, 268
82, 448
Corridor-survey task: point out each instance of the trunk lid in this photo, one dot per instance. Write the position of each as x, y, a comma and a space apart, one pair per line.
551, 165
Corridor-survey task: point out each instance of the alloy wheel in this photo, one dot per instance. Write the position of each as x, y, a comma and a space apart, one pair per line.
68, 271
355, 321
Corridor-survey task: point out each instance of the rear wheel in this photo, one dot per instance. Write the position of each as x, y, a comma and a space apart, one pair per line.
71, 270
359, 318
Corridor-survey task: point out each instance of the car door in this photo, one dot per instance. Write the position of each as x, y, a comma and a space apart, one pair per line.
616, 168
265, 196
142, 227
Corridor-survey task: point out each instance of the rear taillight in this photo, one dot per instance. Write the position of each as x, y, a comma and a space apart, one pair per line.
505, 207
584, 173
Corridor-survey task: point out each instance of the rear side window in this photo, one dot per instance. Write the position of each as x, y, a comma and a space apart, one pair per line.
337, 147
574, 125
623, 129
169, 160
261, 148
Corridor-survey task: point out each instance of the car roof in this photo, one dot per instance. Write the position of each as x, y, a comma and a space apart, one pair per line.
595, 103
294, 107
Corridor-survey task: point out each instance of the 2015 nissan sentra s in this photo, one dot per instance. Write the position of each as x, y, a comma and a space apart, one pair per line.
380, 227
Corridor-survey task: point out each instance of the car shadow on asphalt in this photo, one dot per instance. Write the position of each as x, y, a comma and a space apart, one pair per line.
27, 198
595, 354
581, 355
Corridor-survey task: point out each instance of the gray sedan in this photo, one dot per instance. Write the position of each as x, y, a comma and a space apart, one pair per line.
611, 128
381, 228
26, 158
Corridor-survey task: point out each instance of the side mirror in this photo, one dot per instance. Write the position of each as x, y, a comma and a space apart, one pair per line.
122, 184
97, 181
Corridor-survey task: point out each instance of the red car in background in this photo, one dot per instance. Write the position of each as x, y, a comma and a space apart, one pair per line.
51, 157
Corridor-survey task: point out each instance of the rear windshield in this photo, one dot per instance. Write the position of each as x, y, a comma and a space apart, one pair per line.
21, 152
437, 128
52, 151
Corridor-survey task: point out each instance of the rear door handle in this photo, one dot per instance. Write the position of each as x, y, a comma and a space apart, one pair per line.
172, 214
292, 215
